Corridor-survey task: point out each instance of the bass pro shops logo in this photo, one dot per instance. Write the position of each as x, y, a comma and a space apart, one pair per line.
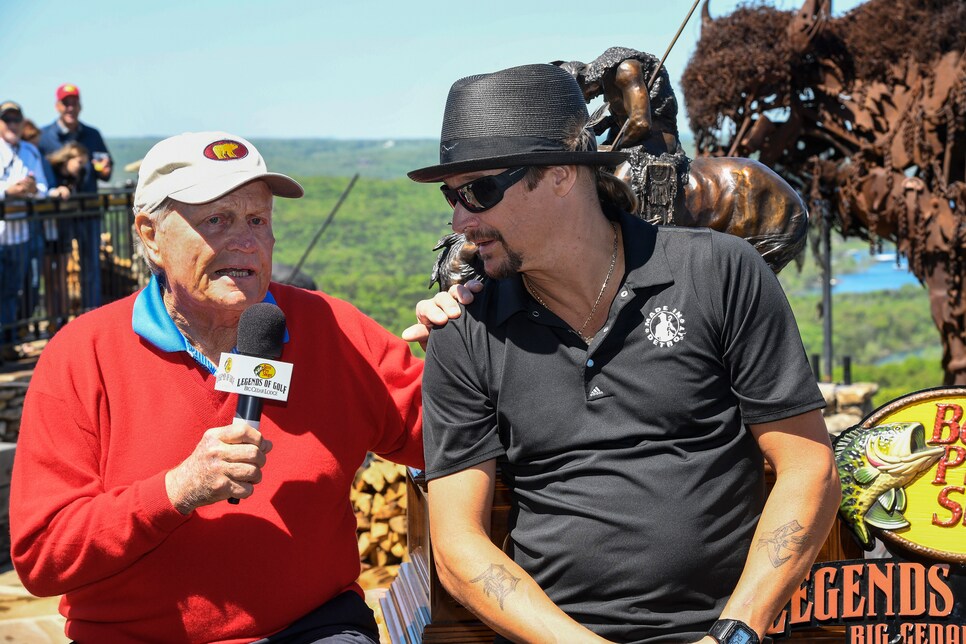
265, 371
665, 326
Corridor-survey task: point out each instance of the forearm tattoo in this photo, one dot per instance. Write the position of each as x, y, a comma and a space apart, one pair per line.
784, 542
497, 581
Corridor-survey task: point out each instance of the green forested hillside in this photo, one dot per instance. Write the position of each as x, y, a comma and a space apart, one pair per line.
889, 335
377, 253
310, 157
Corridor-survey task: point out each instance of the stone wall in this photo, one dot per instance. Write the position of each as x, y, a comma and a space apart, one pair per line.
846, 405
12, 391
11, 403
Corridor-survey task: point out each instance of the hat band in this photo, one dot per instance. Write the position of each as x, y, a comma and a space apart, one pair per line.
457, 150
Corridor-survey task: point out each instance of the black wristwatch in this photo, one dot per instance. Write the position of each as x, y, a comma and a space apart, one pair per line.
732, 631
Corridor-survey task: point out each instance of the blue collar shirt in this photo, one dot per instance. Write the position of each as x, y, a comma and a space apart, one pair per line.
152, 322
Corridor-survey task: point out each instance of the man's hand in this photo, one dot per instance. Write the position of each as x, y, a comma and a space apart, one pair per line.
26, 187
441, 309
102, 165
226, 463
60, 192
105, 172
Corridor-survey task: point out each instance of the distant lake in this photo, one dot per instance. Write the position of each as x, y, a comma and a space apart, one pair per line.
883, 275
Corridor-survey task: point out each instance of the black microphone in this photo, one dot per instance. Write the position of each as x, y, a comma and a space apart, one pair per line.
261, 334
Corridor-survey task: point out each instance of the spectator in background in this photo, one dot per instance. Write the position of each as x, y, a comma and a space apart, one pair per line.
69, 128
31, 133
43, 237
21, 177
70, 167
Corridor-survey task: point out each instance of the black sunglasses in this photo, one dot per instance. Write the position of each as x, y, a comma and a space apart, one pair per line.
11, 119
483, 193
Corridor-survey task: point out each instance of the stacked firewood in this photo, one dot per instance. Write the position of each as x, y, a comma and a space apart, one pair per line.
378, 495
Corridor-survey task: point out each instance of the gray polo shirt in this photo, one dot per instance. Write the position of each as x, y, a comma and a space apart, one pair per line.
636, 487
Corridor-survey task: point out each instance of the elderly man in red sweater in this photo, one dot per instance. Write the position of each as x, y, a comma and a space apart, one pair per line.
128, 454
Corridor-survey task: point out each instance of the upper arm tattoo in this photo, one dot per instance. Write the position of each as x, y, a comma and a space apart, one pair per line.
789, 538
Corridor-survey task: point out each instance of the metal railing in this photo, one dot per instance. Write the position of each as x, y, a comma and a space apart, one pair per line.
60, 258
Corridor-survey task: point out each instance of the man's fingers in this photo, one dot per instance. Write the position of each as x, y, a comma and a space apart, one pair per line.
465, 293
227, 463
240, 490
430, 312
447, 302
239, 432
416, 333
437, 312
243, 472
244, 453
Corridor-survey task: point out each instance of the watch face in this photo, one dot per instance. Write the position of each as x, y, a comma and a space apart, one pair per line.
732, 631
740, 636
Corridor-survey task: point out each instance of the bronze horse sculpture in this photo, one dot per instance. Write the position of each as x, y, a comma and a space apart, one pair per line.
739, 196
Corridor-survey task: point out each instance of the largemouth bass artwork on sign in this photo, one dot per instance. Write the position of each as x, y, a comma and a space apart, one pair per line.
875, 465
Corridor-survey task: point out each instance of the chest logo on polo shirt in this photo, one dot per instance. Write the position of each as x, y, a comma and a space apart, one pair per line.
665, 326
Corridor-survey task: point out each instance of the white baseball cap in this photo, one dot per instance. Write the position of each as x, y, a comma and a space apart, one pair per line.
198, 167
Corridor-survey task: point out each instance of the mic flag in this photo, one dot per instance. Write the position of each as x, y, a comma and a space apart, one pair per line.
255, 372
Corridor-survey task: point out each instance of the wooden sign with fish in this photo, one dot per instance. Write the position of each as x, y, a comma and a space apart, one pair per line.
903, 473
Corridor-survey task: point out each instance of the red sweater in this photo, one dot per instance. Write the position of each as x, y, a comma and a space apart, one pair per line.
108, 414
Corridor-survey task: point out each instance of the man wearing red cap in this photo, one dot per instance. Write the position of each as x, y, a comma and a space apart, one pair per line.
53, 137
69, 128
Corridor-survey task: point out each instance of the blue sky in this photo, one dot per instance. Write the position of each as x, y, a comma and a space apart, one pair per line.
375, 69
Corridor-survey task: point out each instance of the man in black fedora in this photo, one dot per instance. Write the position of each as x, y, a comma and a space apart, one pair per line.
629, 381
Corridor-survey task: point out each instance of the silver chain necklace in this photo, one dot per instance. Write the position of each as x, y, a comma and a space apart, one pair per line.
593, 309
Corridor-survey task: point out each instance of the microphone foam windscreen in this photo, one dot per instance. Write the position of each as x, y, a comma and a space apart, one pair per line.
261, 331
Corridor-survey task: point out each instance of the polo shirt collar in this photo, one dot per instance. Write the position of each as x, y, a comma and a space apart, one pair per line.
152, 322
645, 264
645, 261
511, 297
64, 130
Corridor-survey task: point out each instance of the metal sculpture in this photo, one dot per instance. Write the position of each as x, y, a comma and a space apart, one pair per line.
739, 196
865, 114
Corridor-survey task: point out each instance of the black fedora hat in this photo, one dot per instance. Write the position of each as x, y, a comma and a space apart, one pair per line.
527, 115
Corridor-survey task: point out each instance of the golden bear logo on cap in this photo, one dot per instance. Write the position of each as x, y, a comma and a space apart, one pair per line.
226, 150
